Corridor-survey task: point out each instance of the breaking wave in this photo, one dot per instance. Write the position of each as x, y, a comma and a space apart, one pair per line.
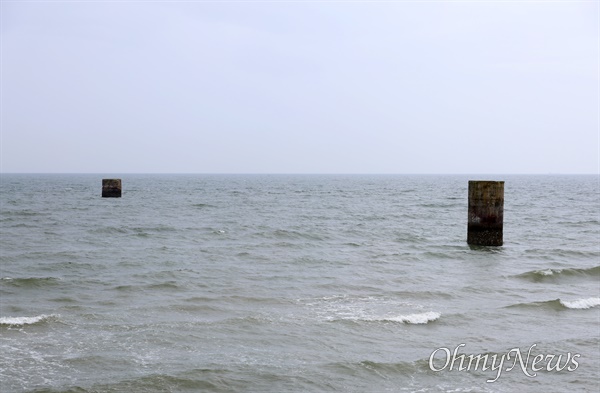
21, 321
412, 319
581, 303
559, 304
545, 274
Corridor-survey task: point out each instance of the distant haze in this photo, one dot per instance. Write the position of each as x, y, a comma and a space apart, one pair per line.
300, 87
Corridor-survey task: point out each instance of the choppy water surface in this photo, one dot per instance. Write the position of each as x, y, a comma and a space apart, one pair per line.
277, 283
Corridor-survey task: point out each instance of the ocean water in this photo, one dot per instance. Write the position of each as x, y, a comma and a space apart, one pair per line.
296, 283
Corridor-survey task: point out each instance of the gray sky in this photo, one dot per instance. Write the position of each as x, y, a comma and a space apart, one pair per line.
300, 87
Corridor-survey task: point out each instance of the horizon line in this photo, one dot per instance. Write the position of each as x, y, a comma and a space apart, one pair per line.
316, 173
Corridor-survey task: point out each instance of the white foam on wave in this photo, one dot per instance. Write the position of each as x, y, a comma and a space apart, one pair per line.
420, 318
20, 321
582, 303
370, 309
416, 319
547, 272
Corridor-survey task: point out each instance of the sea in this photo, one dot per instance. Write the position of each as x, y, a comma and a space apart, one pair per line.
296, 283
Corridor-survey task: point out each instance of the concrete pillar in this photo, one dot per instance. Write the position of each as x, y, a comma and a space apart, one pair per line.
486, 213
111, 188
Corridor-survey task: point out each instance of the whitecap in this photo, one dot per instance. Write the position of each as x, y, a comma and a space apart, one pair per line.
416, 319
20, 321
582, 303
420, 318
547, 272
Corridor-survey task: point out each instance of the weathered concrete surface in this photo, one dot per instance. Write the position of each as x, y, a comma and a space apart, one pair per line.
486, 213
111, 188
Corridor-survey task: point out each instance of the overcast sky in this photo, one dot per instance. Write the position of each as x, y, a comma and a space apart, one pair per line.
300, 87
